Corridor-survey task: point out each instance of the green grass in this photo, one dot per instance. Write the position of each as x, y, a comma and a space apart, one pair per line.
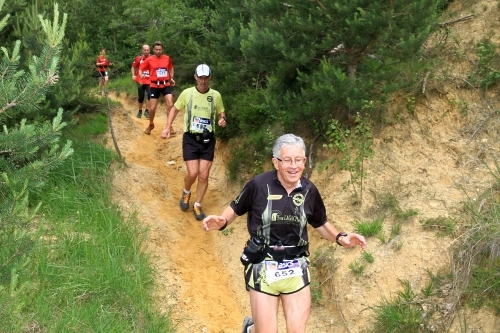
390, 202
368, 257
368, 229
316, 293
123, 85
401, 314
484, 287
476, 257
228, 231
396, 229
444, 226
357, 268
87, 272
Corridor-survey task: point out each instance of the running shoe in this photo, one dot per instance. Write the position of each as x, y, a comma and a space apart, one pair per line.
149, 128
247, 324
139, 114
198, 213
185, 200
146, 114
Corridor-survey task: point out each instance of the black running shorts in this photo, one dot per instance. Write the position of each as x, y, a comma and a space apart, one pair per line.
155, 92
197, 150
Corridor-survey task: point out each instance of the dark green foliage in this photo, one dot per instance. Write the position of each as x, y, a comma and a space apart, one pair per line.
315, 61
28, 27
255, 157
487, 73
284, 39
29, 152
254, 113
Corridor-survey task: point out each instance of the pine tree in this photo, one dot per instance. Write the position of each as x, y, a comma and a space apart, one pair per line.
315, 58
27, 152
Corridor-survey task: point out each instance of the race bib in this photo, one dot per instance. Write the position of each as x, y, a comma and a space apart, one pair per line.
146, 73
161, 72
276, 271
199, 124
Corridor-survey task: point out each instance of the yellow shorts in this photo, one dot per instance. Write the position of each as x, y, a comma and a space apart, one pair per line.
273, 278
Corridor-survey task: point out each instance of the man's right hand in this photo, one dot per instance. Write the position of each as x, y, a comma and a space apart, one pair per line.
213, 222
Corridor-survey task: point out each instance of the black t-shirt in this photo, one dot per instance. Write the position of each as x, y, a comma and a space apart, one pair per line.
275, 214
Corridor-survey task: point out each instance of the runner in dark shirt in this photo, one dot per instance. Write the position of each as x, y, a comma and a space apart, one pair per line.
279, 205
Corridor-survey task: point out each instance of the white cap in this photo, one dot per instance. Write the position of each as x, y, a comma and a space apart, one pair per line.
203, 70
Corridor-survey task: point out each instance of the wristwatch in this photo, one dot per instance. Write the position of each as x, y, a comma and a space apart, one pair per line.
340, 234
224, 226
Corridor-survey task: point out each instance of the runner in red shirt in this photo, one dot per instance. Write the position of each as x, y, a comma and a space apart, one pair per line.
142, 83
102, 67
161, 75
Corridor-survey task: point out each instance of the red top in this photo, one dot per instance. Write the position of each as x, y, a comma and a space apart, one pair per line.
159, 70
137, 62
100, 59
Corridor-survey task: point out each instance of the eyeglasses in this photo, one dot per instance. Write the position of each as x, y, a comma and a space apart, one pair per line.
288, 161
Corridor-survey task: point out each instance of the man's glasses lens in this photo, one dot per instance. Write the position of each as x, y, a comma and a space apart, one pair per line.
288, 161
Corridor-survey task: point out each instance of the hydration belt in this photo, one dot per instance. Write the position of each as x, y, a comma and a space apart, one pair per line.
204, 137
291, 252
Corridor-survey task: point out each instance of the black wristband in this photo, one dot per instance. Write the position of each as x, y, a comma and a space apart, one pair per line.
224, 226
340, 234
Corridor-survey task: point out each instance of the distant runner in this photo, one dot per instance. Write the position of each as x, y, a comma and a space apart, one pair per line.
161, 75
102, 64
142, 82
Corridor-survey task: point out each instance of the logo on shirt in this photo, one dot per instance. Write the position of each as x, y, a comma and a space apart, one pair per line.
210, 99
277, 216
298, 199
274, 197
200, 107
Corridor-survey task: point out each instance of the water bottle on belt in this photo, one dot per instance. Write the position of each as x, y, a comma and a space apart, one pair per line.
279, 252
255, 244
253, 251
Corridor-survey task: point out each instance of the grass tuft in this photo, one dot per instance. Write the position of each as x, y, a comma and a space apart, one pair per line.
401, 314
370, 228
444, 226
